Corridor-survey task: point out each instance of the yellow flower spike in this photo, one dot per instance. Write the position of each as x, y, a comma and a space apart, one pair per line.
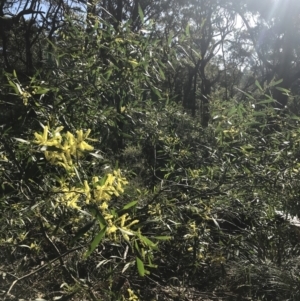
63, 158
100, 194
126, 237
119, 187
108, 217
59, 129
103, 206
41, 139
109, 180
79, 136
87, 191
95, 180
68, 157
117, 173
111, 229
132, 295
132, 223
45, 133
81, 144
86, 135
73, 203
70, 143
85, 146
48, 155
193, 227
123, 219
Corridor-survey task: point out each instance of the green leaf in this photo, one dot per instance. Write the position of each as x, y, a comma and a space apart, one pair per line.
163, 237
125, 231
266, 101
13, 85
171, 65
156, 92
148, 242
259, 114
232, 111
129, 205
187, 30
41, 90
257, 84
141, 14
95, 242
126, 135
82, 231
161, 73
283, 90
247, 94
97, 214
137, 247
170, 38
276, 83
140, 267
198, 54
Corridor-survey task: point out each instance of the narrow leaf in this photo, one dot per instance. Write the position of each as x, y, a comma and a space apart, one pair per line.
129, 205
96, 242
266, 101
257, 84
97, 214
141, 14
161, 73
98, 156
163, 237
148, 242
14, 86
187, 30
83, 230
140, 267
22, 140
276, 83
283, 90
41, 90
126, 231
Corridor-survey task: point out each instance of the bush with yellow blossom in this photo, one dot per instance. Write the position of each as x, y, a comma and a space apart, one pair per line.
64, 149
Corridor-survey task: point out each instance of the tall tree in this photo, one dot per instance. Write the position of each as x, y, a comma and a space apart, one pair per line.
274, 32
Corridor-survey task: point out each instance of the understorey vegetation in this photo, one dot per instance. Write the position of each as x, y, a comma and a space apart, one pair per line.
149, 150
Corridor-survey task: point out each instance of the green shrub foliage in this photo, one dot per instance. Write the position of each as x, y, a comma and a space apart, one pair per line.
112, 190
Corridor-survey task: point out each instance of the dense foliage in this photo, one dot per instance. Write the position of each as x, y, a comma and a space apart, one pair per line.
149, 151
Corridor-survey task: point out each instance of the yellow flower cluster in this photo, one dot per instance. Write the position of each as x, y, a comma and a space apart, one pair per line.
132, 296
63, 148
69, 196
3, 157
119, 224
100, 193
113, 185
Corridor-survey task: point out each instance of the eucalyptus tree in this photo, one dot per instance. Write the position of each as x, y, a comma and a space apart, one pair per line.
24, 27
273, 28
208, 26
